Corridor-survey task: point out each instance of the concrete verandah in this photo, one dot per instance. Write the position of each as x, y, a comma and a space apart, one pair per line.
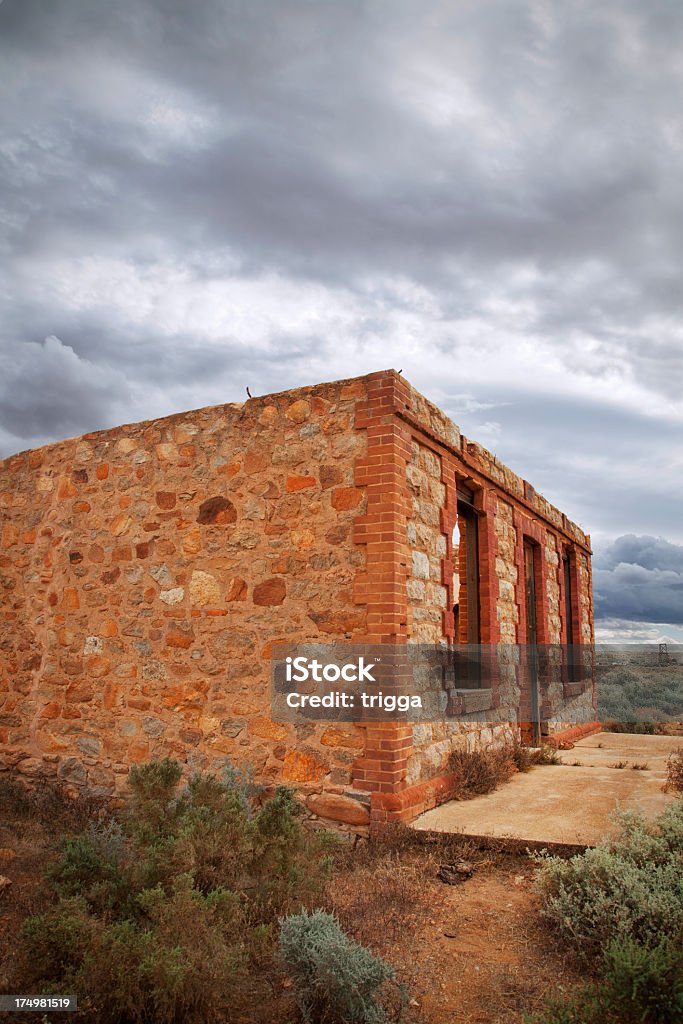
568, 803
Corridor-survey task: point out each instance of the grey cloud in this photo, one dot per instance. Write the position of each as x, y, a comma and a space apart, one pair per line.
639, 578
46, 389
649, 553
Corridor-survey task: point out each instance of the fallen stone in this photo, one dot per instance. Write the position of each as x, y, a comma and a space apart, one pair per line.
338, 808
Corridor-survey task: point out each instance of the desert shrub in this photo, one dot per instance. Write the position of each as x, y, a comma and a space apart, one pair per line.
638, 985
55, 943
628, 887
643, 984
165, 911
213, 831
674, 771
92, 865
481, 771
336, 979
153, 800
183, 964
522, 757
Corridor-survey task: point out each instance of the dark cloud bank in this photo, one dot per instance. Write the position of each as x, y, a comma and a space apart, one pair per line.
639, 579
200, 197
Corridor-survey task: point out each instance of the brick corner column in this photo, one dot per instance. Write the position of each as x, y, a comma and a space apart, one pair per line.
381, 587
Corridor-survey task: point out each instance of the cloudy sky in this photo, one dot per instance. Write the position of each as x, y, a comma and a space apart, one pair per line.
197, 197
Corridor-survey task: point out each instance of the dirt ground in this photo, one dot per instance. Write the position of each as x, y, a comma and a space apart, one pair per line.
474, 951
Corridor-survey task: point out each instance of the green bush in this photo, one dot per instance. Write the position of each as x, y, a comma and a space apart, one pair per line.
644, 985
161, 916
184, 963
337, 980
629, 887
639, 985
93, 866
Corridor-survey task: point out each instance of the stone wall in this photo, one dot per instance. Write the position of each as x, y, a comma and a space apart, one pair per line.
427, 595
509, 510
146, 571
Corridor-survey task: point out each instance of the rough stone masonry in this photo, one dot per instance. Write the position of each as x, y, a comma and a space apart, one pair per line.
145, 572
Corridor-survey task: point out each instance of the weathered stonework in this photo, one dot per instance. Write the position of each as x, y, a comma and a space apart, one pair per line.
146, 572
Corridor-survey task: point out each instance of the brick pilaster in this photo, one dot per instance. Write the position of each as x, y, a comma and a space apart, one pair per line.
382, 586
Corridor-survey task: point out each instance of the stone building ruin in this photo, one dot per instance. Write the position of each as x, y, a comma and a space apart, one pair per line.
146, 572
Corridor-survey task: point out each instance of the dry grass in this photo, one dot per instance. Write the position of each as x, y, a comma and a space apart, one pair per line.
481, 771
50, 804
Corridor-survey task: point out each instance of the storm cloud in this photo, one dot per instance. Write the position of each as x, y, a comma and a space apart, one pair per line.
639, 579
203, 197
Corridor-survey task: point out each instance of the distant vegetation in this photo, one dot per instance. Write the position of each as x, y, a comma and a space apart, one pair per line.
640, 698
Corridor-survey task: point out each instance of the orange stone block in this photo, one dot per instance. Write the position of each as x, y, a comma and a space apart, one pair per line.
237, 589
102, 471
298, 411
111, 696
339, 808
300, 767
50, 710
98, 665
10, 535
256, 459
334, 737
175, 638
270, 592
354, 390
268, 416
346, 498
299, 483
66, 489
82, 506
138, 752
166, 499
120, 524
70, 598
192, 541
319, 405
267, 730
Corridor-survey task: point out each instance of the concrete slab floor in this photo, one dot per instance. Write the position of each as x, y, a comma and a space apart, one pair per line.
570, 802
